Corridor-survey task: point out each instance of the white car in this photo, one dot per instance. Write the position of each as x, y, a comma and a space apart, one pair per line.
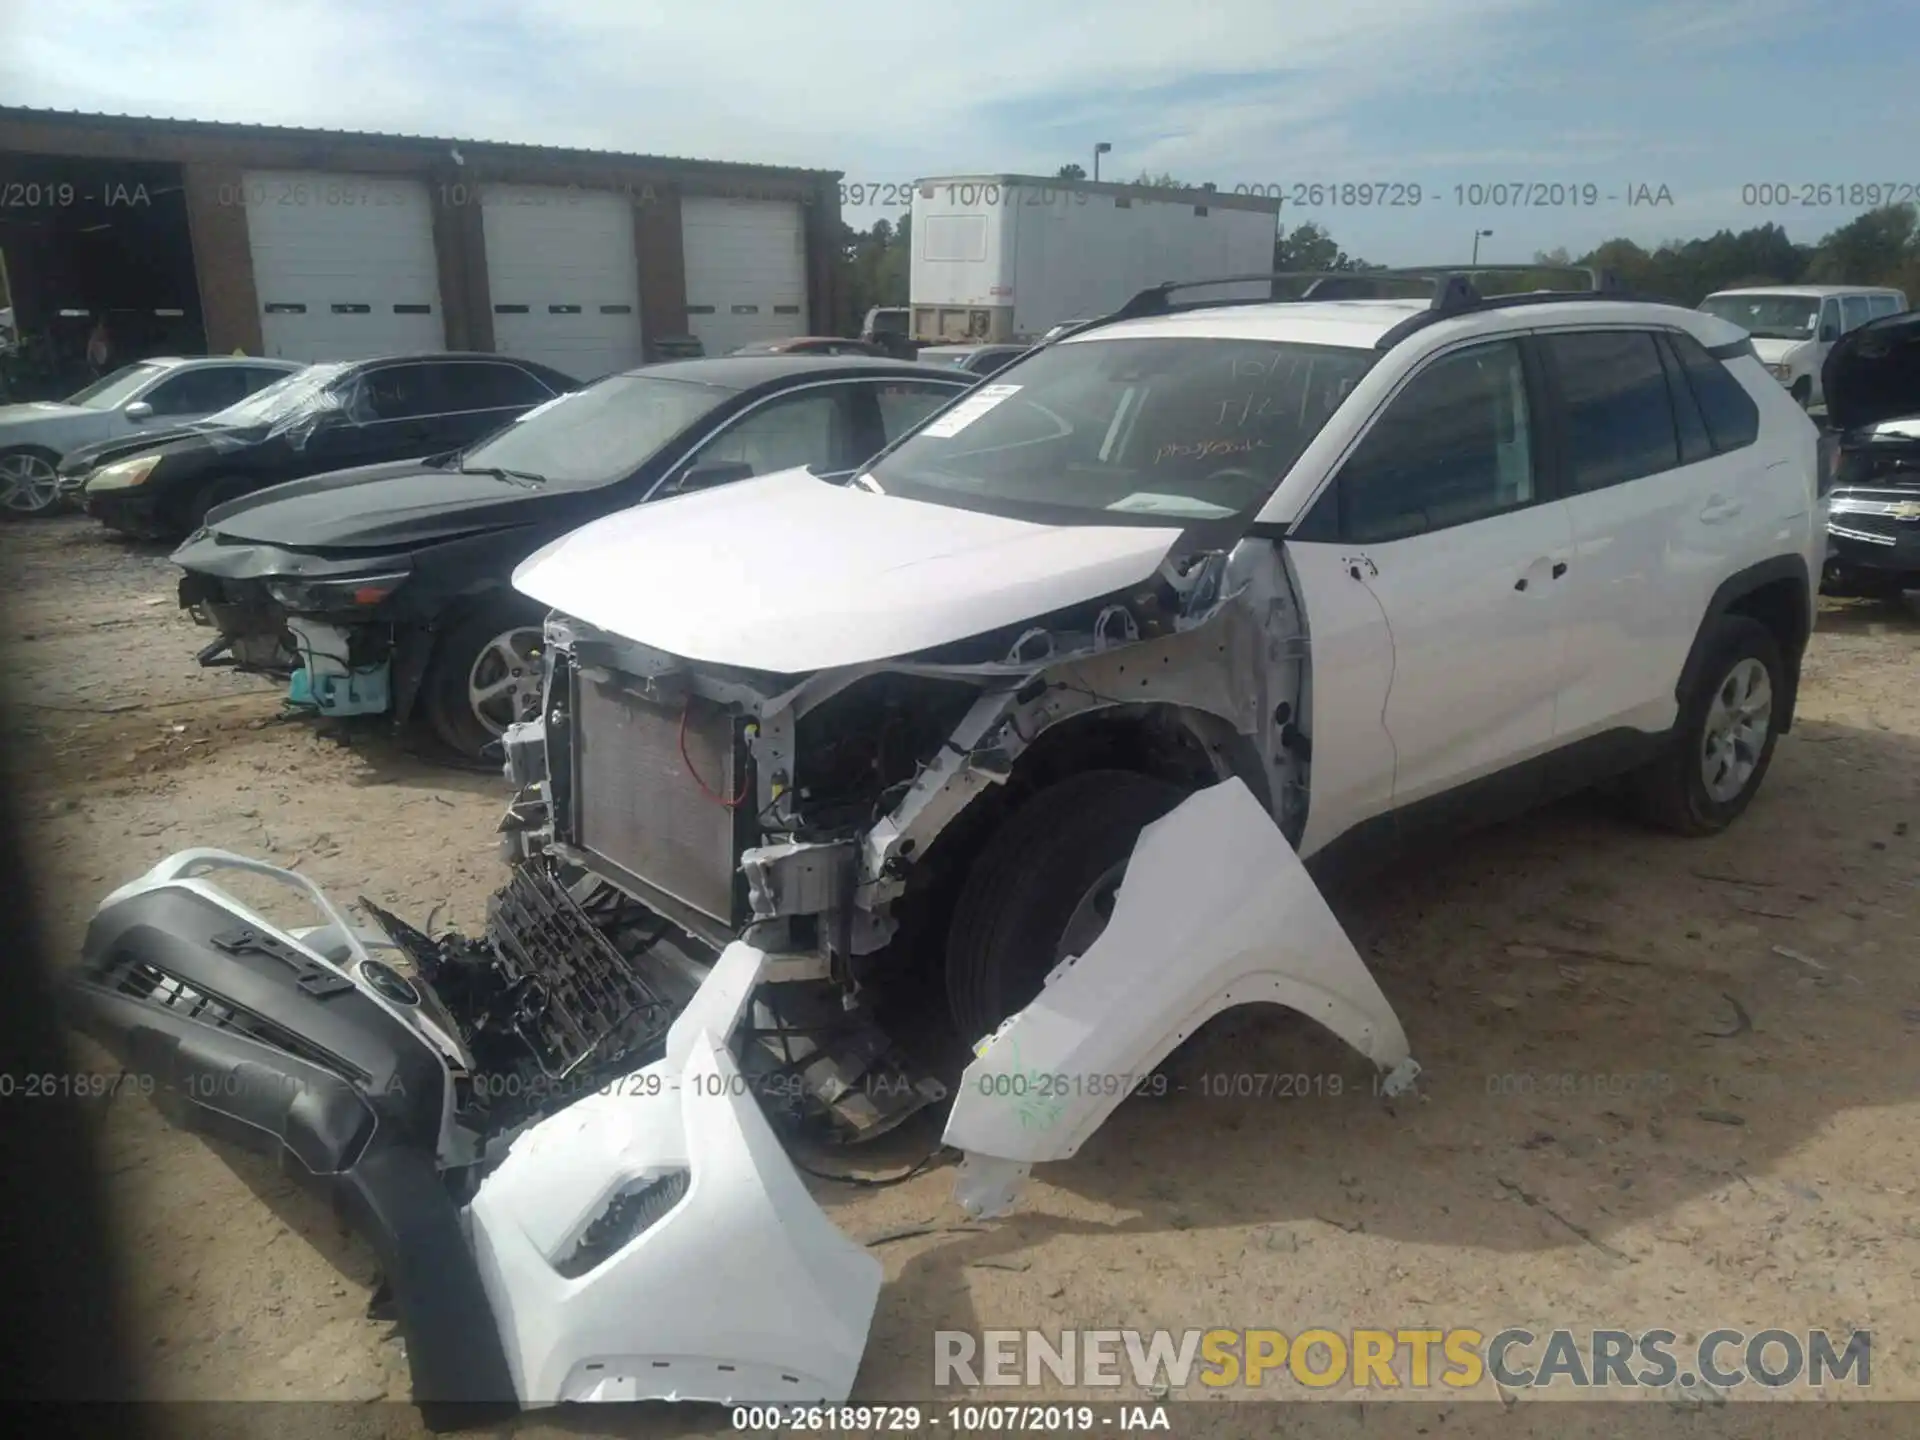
1794, 326
1061, 696
146, 396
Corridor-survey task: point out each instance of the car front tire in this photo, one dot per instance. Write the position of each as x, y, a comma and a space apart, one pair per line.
1048, 871
494, 650
1729, 723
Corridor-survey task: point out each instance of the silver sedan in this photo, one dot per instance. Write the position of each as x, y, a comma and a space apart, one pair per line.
157, 394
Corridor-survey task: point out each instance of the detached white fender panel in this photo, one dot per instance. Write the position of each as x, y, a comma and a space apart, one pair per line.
736, 1289
1215, 910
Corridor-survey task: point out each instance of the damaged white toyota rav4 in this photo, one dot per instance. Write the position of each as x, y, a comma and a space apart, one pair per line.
1054, 699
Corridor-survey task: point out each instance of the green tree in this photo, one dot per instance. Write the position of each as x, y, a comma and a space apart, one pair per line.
1308, 247
1871, 249
1070, 171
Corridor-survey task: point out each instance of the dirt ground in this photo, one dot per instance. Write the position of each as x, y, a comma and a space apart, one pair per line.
1667, 1083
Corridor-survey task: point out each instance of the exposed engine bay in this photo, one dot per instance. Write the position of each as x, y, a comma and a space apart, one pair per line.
717, 876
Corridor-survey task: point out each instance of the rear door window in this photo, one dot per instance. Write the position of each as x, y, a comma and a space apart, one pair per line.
1619, 417
1885, 305
485, 385
1855, 311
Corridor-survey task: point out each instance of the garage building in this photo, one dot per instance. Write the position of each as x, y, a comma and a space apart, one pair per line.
191, 236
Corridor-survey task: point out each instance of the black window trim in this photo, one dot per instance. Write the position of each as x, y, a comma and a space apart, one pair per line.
1543, 427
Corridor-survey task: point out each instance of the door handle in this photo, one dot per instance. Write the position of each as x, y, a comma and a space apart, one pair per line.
1719, 508
1559, 568
1521, 583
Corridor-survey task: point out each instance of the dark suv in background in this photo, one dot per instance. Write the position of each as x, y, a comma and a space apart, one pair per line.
336, 415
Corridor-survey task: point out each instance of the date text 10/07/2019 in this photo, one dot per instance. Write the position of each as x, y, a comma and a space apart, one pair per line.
1301, 195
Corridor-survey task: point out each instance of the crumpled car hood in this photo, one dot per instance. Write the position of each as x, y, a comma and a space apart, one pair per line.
789, 573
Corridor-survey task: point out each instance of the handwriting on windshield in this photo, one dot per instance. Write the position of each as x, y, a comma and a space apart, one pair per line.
1235, 413
1209, 449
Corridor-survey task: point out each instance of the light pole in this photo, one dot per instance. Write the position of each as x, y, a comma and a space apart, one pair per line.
1102, 148
1478, 236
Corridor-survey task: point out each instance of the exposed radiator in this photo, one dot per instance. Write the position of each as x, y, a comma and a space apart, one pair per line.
641, 809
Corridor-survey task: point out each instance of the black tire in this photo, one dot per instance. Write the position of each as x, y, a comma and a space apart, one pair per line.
190, 514
1802, 391
443, 690
1025, 884
1670, 792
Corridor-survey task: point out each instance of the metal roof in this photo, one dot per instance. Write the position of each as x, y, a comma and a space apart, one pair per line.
226, 130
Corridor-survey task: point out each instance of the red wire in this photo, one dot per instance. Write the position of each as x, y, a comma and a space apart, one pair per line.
687, 760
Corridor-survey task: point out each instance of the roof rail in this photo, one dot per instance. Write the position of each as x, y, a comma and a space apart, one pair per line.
1453, 292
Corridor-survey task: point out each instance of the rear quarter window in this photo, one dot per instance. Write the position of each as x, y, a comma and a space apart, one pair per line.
1731, 416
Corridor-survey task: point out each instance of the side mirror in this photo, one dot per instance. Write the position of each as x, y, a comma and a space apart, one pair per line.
1829, 332
138, 410
717, 472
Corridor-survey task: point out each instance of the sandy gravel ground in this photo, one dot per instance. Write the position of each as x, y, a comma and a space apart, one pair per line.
1598, 1140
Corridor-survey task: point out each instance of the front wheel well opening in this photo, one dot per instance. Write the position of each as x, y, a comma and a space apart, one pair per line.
1156, 741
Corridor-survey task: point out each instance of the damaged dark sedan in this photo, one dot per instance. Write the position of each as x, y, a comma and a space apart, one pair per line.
328, 417
1872, 383
387, 589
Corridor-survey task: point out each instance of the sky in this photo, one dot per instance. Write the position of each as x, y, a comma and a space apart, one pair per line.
1713, 113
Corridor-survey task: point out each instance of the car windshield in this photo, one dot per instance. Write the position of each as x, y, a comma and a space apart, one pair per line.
601, 433
282, 400
1768, 317
111, 390
1128, 431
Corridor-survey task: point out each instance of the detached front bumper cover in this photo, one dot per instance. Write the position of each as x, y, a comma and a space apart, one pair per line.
649, 1241
654, 1242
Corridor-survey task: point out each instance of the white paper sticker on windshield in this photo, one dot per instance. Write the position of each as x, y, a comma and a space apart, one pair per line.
1149, 502
969, 410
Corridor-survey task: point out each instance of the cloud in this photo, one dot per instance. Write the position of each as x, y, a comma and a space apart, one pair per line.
1232, 91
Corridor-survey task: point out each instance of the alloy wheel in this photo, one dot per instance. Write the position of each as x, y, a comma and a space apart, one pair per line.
29, 484
1738, 722
503, 684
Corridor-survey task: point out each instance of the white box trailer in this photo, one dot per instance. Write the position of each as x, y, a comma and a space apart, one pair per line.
1007, 257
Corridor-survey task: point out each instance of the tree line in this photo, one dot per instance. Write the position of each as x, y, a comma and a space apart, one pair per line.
1877, 247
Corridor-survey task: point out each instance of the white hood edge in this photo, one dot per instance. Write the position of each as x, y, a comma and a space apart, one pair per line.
1773, 351
790, 574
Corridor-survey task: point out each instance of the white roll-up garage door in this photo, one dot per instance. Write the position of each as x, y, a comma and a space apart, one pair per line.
746, 270
343, 265
563, 276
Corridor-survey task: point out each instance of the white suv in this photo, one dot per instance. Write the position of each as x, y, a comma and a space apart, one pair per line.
1389, 564
1053, 699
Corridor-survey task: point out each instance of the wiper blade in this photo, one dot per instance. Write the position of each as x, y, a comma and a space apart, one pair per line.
524, 478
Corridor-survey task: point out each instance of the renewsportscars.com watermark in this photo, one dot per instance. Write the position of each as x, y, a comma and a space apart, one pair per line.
1164, 1361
